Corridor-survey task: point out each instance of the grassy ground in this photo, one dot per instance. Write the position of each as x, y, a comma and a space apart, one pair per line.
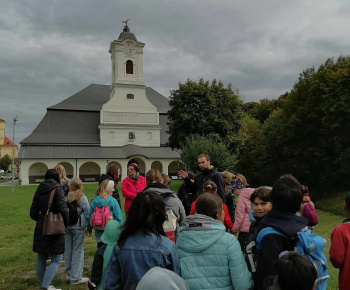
17, 260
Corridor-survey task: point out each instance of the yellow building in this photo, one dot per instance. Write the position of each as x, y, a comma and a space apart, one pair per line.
6, 143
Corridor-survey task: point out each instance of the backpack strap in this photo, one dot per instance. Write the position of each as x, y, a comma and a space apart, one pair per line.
267, 231
249, 251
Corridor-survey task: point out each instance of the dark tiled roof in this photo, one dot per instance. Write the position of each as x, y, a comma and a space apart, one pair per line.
66, 127
76, 119
94, 96
96, 152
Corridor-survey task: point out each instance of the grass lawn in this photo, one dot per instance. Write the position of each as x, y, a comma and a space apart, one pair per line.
18, 262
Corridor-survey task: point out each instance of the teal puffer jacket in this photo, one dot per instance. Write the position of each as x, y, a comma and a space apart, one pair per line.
209, 257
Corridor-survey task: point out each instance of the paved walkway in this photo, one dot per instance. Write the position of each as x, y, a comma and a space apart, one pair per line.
9, 183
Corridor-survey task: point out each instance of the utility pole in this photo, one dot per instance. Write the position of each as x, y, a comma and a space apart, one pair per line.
13, 155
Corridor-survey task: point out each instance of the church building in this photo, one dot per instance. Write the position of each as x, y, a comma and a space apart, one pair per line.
103, 124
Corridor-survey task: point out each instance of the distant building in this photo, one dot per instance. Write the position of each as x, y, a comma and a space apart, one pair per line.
102, 124
6, 145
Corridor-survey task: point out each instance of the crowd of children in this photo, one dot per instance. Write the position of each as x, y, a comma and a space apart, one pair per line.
187, 241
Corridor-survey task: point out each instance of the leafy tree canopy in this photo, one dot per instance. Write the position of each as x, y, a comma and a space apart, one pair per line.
5, 162
205, 109
195, 145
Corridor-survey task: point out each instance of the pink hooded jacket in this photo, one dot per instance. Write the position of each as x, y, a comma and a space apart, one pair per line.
242, 222
129, 191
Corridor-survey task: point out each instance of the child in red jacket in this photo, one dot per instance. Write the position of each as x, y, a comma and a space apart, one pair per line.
211, 187
339, 252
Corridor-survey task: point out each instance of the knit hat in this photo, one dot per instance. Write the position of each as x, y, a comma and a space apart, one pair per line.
136, 167
110, 185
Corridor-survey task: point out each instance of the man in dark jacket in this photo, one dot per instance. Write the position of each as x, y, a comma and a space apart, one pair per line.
286, 201
208, 173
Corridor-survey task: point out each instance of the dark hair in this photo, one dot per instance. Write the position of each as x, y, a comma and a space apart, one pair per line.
209, 186
153, 175
147, 214
347, 200
286, 194
263, 192
208, 204
112, 171
133, 161
53, 174
295, 271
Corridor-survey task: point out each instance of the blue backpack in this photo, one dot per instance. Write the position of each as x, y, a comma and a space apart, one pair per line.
309, 245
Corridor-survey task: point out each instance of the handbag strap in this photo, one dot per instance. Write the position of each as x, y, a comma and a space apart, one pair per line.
50, 200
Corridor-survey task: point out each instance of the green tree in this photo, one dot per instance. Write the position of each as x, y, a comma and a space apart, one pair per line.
5, 162
309, 135
195, 145
251, 153
204, 109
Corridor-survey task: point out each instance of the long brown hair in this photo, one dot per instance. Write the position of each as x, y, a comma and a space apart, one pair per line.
153, 175
112, 170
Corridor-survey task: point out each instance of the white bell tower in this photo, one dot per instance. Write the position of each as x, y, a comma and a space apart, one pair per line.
128, 117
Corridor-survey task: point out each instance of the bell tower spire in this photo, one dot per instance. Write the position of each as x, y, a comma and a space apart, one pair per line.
127, 58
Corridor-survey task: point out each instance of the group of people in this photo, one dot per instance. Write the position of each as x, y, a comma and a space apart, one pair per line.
185, 240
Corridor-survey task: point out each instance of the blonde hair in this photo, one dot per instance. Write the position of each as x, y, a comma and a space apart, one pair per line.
61, 171
226, 175
102, 189
242, 179
75, 190
166, 179
153, 175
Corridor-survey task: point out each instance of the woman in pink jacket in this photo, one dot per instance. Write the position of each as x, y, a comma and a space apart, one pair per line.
242, 222
132, 185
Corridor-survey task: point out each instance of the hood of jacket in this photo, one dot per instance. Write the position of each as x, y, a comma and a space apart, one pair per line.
246, 193
208, 171
159, 188
47, 186
287, 223
111, 232
157, 277
99, 201
198, 232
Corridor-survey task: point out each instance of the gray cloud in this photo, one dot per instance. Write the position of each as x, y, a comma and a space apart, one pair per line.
50, 50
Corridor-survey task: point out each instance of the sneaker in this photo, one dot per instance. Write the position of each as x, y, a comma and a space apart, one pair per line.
81, 281
52, 288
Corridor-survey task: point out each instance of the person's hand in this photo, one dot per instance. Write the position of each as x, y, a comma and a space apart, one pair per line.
182, 174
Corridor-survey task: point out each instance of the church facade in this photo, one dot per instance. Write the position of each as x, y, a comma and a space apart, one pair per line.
103, 124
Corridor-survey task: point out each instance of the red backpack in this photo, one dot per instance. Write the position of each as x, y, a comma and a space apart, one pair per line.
310, 213
100, 217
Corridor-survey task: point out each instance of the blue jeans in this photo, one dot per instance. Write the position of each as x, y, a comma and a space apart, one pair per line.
74, 254
46, 274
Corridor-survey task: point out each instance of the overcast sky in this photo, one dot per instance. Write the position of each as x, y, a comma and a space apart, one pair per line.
49, 50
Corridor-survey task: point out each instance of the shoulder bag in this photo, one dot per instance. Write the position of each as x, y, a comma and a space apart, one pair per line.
53, 222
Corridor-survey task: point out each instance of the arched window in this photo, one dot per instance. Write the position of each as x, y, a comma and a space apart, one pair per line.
129, 67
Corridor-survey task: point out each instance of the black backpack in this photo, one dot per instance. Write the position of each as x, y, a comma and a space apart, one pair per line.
73, 212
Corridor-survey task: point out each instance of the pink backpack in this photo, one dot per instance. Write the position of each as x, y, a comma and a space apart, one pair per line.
310, 213
100, 217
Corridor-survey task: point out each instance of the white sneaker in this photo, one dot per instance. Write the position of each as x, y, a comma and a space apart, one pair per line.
52, 288
81, 281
